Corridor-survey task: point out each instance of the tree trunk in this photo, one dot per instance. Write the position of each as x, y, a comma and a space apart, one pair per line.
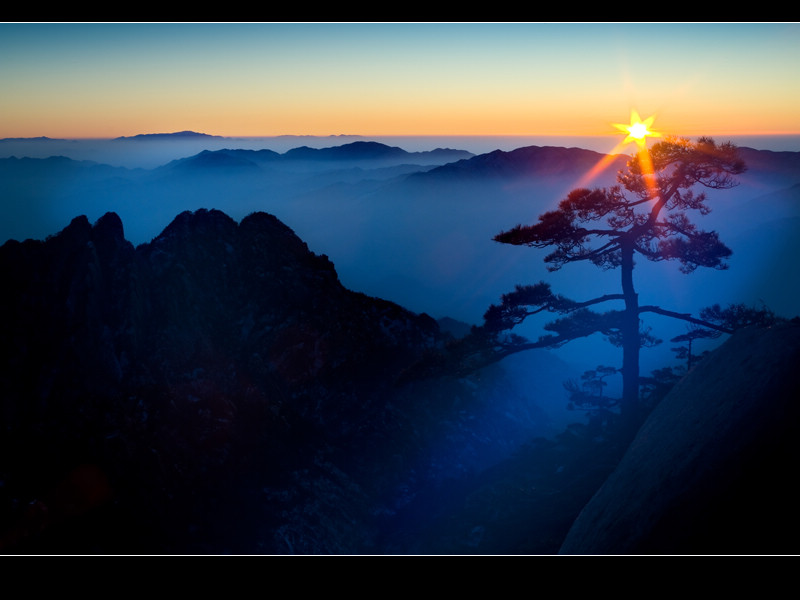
630, 340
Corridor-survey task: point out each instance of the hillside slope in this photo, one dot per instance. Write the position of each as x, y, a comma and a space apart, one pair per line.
712, 470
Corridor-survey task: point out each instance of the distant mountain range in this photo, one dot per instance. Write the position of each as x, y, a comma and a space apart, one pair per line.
527, 162
413, 227
175, 135
142, 136
369, 152
41, 138
168, 136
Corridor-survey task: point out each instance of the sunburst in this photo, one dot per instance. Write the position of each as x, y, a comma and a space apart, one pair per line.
638, 130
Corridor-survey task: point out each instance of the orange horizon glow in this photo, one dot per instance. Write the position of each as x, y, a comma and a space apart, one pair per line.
517, 124
396, 122
385, 118
107, 134
108, 80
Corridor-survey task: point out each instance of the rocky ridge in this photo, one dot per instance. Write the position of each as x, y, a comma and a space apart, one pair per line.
217, 390
216, 347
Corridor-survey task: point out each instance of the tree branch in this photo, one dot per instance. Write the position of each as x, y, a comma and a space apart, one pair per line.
605, 298
684, 317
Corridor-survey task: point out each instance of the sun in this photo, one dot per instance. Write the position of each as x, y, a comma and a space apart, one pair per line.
638, 130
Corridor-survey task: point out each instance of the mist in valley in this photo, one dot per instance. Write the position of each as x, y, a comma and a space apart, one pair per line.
413, 228
412, 221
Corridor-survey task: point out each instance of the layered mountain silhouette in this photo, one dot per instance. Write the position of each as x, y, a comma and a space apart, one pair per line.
529, 162
369, 152
218, 390
420, 233
201, 381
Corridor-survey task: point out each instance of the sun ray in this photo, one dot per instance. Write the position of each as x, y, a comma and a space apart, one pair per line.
599, 167
638, 131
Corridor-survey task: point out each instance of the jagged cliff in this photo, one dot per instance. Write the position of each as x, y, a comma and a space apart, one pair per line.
712, 469
217, 390
216, 350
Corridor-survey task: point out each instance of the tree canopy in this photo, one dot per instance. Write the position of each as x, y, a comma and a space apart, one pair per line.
646, 214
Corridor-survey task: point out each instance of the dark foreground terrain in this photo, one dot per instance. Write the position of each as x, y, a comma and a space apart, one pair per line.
218, 391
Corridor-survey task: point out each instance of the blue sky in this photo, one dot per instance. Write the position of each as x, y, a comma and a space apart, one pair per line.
112, 79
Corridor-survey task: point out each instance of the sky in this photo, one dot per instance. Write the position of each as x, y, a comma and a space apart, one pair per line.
104, 80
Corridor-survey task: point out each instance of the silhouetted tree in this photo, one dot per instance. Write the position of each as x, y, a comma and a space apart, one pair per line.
729, 319
693, 332
645, 214
588, 395
736, 316
657, 385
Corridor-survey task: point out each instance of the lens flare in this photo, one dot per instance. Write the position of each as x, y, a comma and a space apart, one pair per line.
638, 130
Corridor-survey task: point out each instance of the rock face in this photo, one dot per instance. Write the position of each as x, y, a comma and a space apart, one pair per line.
207, 295
217, 390
174, 370
713, 469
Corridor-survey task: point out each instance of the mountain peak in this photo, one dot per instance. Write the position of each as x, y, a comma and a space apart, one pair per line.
168, 136
41, 138
526, 162
213, 159
353, 150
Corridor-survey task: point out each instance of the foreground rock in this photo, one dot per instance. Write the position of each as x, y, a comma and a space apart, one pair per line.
713, 469
218, 390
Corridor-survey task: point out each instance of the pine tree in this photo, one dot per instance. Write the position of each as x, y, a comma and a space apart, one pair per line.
645, 214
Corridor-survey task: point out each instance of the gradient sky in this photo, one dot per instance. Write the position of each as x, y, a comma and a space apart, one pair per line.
247, 79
